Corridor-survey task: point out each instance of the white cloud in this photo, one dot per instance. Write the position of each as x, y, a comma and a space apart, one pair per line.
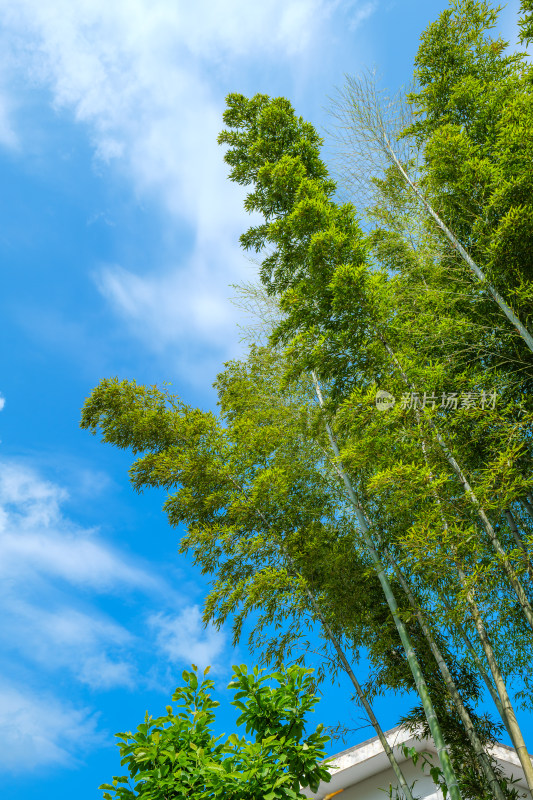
144, 76
96, 650
69, 554
52, 573
147, 78
46, 561
101, 672
362, 13
22, 489
183, 638
2, 402
180, 313
35, 538
8, 137
37, 731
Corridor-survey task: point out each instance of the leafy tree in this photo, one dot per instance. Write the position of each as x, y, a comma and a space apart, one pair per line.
178, 755
338, 318
474, 104
408, 534
257, 506
254, 496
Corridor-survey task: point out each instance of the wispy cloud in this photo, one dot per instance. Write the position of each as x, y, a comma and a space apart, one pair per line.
362, 12
183, 638
38, 730
148, 80
2, 402
36, 538
183, 314
53, 574
89, 646
8, 137
45, 562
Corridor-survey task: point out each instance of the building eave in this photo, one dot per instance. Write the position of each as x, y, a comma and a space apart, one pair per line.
356, 764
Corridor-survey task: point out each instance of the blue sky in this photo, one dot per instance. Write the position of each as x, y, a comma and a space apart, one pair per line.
118, 242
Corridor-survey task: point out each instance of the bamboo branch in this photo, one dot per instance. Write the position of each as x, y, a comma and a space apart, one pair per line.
434, 725
481, 755
342, 658
496, 544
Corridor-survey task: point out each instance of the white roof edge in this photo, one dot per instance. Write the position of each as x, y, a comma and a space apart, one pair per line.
396, 737
370, 749
400, 735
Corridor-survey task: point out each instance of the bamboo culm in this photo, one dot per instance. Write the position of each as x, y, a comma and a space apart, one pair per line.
514, 728
513, 579
343, 661
509, 313
518, 539
507, 710
434, 726
481, 669
483, 759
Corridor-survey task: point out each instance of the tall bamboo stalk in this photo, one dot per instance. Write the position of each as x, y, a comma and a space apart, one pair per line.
363, 700
482, 670
434, 725
528, 504
509, 571
360, 102
514, 728
483, 759
514, 529
467, 258
341, 656
518, 539
505, 705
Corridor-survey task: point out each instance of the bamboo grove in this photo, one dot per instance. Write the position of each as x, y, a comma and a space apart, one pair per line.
369, 471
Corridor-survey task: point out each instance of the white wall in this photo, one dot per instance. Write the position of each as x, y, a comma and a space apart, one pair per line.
372, 788
424, 788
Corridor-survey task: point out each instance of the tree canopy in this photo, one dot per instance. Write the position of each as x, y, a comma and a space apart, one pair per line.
178, 755
404, 530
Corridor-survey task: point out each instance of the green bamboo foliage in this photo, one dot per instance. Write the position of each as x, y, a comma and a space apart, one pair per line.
346, 316
250, 499
225, 499
414, 665
405, 534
